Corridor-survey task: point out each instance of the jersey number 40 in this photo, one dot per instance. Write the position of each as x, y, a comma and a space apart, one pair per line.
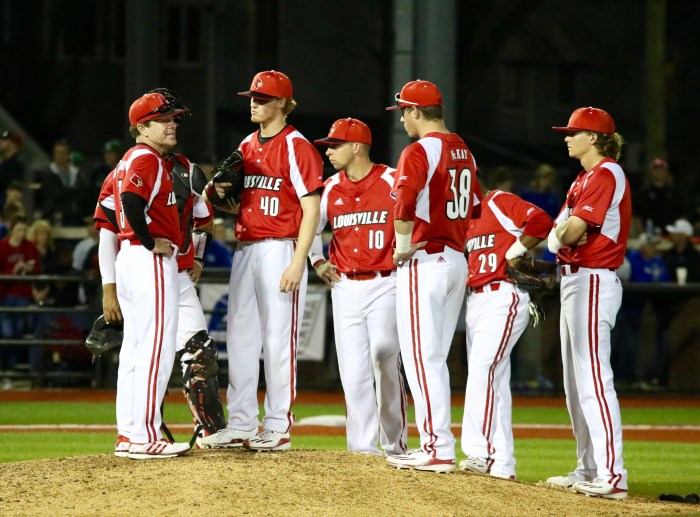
461, 186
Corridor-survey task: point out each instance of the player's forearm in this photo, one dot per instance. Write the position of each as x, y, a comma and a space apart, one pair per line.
571, 230
310, 206
107, 255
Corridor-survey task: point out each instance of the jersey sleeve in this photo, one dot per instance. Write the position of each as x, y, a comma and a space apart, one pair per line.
306, 167
412, 169
139, 178
596, 196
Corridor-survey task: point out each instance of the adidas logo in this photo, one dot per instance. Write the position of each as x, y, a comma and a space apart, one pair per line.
440, 260
338, 202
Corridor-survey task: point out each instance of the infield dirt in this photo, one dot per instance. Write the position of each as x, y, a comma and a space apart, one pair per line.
297, 482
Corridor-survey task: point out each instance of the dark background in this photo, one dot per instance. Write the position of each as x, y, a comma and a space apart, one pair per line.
71, 68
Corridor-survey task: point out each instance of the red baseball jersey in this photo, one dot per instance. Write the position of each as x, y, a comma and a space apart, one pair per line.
105, 200
440, 171
278, 172
145, 173
505, 217
189, 204
362, 220
601, 197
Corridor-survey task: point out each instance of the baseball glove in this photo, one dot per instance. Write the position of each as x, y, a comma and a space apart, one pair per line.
230, 171
533, 275
103, 337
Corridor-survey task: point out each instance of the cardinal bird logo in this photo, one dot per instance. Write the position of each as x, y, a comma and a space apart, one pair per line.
137, 181
259, 84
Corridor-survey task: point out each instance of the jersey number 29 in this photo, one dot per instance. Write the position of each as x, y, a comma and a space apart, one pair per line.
461, 183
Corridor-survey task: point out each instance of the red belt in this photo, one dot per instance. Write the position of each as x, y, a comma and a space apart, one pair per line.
574, 269
368, 275
494, 286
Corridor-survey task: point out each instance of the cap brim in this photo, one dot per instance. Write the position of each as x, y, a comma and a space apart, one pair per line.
256, 95
330, 141
168, 114
567, 129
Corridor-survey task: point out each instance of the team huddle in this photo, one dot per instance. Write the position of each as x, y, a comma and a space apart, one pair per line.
398, 272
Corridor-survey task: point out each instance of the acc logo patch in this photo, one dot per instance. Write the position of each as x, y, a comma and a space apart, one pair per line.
136, 181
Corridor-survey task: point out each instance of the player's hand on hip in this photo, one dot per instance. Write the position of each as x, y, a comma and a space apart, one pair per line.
327, 271
196, 272
401, 258
163, 247
291, 278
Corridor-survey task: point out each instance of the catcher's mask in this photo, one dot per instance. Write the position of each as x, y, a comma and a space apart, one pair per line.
104, 336
156, 106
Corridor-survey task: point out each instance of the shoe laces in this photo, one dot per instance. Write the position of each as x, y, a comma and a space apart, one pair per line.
265, 434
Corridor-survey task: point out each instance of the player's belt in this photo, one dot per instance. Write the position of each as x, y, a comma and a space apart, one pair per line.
493, 286
368, 275
571, 269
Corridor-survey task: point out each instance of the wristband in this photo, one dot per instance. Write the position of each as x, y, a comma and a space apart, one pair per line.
516, 250
200, 242
403, 243
553, 243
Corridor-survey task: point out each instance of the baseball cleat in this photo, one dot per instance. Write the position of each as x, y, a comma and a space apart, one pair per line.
121, 448
564, 481
157, 450
268, 440
474, 464
226, 438
418, 459
600, 488
502, 475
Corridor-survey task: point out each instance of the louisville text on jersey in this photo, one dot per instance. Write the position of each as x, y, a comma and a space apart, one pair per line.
481, 242
263, 182
359, 218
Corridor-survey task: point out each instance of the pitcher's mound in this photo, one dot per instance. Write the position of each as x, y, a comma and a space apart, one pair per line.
296, 482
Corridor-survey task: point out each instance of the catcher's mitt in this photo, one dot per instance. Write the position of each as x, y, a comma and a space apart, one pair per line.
533, 275
104, 336
230, 171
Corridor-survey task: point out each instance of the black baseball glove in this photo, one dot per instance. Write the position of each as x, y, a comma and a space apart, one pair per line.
230, 171
533, 275
103, 337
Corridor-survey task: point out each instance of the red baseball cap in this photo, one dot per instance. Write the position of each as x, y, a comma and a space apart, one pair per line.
347, 130
422, 94
589, 119
153, 106
269, 85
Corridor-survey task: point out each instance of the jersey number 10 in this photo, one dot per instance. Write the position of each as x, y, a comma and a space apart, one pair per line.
458, 207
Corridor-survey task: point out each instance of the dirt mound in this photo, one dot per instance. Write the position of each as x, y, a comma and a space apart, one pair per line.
298, 482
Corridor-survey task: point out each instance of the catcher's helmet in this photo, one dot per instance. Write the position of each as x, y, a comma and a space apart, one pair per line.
104, 336
155, 106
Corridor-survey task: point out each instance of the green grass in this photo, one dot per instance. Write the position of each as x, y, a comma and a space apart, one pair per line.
654, 467
23, 413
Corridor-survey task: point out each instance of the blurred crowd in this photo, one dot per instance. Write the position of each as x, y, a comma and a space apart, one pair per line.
38, 204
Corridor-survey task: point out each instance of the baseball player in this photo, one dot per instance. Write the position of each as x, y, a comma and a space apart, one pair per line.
497, 314
277, 221
147, 275
435, 190
201, 390
358, 204
590, 237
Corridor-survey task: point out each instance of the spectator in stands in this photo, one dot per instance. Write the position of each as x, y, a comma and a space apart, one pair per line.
658, 203
543, 191
14, 192
642, 265
11, 210
63, 189
11, 168
683, 254
40, 234
112, 151
219, 254
18, 256
85, 261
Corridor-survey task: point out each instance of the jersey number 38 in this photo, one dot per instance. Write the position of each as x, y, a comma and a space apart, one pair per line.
461, 183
